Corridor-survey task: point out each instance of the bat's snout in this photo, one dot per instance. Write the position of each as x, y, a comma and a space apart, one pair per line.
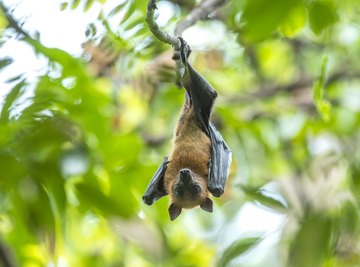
185, 176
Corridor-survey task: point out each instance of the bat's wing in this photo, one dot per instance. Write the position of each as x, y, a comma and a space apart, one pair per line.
202, 97
219, 164
202, 94
156, 189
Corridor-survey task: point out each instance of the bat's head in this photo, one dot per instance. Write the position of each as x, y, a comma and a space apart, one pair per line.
188, 191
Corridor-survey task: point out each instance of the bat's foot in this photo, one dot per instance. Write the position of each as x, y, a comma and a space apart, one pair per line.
147, 200
216, 191
152, 5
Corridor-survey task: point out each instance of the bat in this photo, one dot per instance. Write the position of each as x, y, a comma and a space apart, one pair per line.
200, 159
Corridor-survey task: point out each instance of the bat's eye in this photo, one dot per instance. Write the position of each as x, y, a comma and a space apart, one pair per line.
179, 192
196, 189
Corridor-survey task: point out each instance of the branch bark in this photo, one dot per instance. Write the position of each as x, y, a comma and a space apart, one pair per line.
199, 13
266, 91
5, 259
155, 29
12, 22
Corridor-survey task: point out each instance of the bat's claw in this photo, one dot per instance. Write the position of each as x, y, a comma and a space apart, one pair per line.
147, 200
216, 191
176, 56
152, 5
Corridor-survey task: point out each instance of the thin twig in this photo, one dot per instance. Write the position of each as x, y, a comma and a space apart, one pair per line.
154, 27
12, 22
199, 13
265, 91
5, 259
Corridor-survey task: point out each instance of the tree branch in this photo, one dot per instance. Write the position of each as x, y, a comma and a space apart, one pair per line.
154, 27
199, 13
5, 259
266, 91
12, 22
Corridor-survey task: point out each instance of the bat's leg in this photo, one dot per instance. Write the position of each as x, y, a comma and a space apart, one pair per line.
202, 94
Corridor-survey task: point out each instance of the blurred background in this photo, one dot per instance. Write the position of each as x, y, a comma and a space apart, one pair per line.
88, 106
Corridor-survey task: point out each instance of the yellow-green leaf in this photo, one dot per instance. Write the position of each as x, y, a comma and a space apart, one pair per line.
322, 14
294, 21
323, 106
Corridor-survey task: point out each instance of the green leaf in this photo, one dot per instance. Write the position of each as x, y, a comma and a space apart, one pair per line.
268, 201
323, 106
88, 5
322, 14
262, 17
142, 31
237, 248
294, 21
56, 191
11, 97
129, 11
135, 20
3, 23
355, 178
5, 62
312, 242
15, 170
71, 66
90, 30
75, 4
117, 9
64, 5
15, 78
92, 197
318, 93
350, 219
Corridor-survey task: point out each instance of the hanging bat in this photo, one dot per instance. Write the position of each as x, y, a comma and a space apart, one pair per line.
199, 161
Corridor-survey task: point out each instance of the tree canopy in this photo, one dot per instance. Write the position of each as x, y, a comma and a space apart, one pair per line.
80, 141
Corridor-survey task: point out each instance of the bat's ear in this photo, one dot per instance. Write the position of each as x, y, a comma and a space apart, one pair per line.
207, 205
174, 211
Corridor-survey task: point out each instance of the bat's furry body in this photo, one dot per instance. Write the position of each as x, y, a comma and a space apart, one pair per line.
200, 159
191, 150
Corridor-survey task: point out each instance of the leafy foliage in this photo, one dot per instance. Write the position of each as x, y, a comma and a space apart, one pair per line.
239, 247
79, 143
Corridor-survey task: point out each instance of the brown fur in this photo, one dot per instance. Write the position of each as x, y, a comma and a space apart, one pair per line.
192, 150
